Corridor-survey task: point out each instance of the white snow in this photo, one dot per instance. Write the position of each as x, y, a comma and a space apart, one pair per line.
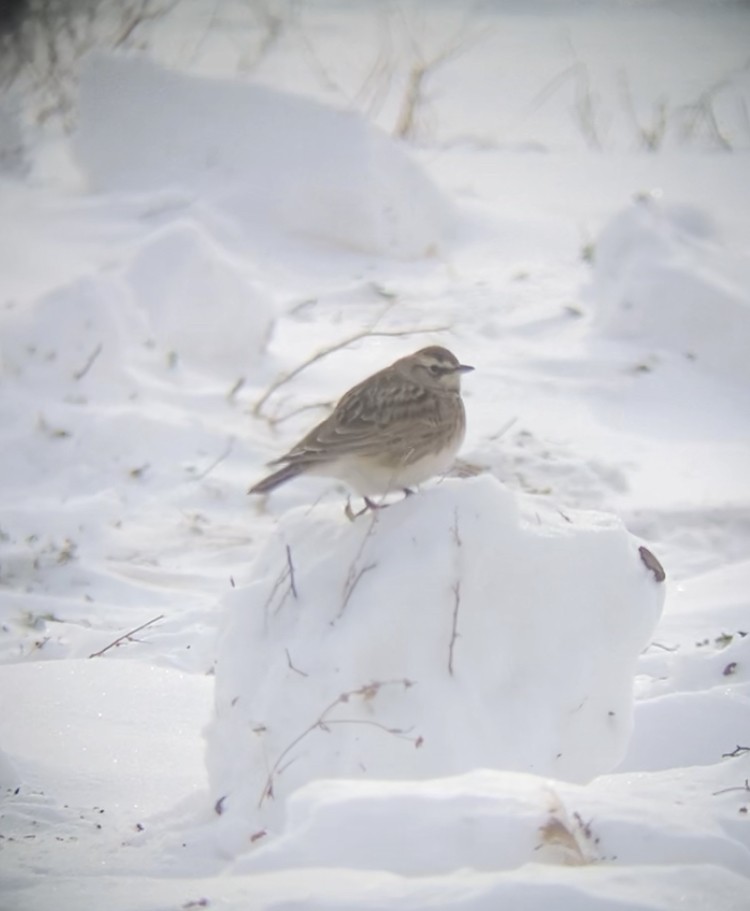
261, 155
662, 273
193, 291
481, 696
446, 633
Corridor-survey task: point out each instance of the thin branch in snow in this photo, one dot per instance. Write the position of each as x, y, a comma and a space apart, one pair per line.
80, 374
367, 692
356, 572
291, 666
217, 461
351, 583
286, 574
290, 565
454, 629
370, 332
665, 648
456, 533
236, 386
737, 751
312, 406
126, 637
456, 592
742, 787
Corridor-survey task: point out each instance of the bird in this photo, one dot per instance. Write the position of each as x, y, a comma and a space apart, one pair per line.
394, 430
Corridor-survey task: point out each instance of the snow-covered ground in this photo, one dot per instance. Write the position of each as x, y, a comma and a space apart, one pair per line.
486, 695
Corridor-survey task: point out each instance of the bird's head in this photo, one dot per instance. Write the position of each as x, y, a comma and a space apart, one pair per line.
437, 367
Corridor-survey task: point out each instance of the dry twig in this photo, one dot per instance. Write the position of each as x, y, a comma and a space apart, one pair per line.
355, 572
217, 461
291, 666
323, 723
742, 787
737, 751
80, 374
290, 565
456, 592
330, 349
287, 573
454, 629
126, 637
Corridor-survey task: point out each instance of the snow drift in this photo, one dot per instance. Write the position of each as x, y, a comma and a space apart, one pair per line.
490, 821
274, 160
450, 632
202, 305
180, 297
661, 273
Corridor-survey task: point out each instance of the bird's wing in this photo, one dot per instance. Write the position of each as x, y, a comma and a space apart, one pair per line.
371, 417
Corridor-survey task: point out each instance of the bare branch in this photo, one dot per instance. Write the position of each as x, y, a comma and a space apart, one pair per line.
291, 665
132, 19
352, 583
454, 629
424, 66
406, 123
665, 648
80, 374
330, 349
742, 787
313, 406
396, 732
238, 384
290, 565
737, 751
217, 461
280, 579
367, 692
355, 572
126, 637
456, 533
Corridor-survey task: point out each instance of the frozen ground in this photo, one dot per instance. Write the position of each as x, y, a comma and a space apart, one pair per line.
484, 697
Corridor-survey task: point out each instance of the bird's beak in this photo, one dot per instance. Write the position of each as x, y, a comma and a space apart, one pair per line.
464, 368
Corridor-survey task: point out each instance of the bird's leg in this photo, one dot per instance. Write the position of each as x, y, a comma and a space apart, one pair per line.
370, 505
351, 515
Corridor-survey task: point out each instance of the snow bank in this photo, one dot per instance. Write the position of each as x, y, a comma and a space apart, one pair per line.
449, 632
662, 274
690, 887
47, 731
490, 821
71, 339
272, 159
201, 303
180, 296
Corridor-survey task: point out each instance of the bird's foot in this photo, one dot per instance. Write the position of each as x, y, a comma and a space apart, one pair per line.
370, 505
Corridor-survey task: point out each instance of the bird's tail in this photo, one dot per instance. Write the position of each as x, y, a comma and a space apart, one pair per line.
278, 477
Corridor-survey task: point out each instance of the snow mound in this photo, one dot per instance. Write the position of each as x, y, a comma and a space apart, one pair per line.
661, 273
274, 160
70, 340
201, 303
180, 295
449, 632
491, 821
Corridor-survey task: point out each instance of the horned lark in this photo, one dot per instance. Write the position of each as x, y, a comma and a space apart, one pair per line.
397, 428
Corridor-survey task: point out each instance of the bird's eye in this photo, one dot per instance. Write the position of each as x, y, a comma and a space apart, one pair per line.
435, 369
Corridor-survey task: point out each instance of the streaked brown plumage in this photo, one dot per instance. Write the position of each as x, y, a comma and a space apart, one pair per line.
399, 427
